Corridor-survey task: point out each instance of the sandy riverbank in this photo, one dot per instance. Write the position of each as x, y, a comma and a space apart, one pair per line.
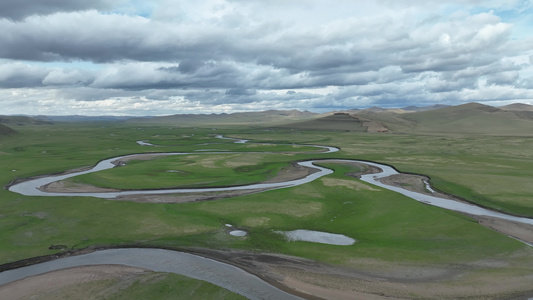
374, 279
85, 282
292, 172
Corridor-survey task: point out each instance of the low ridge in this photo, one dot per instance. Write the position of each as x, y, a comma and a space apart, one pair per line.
517, 107
470, 118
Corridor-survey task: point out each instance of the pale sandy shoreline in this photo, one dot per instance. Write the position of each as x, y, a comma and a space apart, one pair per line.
65, 283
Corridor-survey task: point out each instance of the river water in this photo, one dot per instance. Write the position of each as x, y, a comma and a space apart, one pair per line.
31, 187
159, 260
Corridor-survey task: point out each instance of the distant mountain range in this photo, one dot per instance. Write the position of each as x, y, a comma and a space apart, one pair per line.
271, 117
22, 120
424, 108
470, 118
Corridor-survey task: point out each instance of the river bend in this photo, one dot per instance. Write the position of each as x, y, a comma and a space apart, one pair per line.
160, 260
31, 187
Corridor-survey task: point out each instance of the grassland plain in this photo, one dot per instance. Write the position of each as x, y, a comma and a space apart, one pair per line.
390, 229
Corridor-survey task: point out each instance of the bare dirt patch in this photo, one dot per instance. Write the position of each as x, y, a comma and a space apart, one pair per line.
414, 183
187, 197
67, 283
517, 230
351, 184
292, 172
72, 187
365, 169
381, 279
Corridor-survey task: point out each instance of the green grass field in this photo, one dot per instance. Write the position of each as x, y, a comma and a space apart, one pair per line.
492, 171
172, 286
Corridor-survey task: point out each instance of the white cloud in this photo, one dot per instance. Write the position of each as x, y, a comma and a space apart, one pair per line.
58, 77
379, 52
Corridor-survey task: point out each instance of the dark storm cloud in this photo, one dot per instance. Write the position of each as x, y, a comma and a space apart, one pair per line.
19, 9
82, 36
21, 81
18, 75
189, 66
208, 74
141, 76
186, 67
241, 92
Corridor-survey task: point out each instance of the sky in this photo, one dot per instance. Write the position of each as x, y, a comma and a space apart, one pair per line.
163, 57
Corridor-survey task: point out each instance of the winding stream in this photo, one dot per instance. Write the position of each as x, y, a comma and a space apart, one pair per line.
227, 276
31, 187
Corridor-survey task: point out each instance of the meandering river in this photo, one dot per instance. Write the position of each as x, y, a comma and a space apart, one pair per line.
31, 187
198, 267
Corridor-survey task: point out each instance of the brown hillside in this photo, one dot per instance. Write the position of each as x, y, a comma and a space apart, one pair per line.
242, 118
340, 121
22, 120
4, 130
517, 107
471, 118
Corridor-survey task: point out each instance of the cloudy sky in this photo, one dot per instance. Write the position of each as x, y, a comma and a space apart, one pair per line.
160, 57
